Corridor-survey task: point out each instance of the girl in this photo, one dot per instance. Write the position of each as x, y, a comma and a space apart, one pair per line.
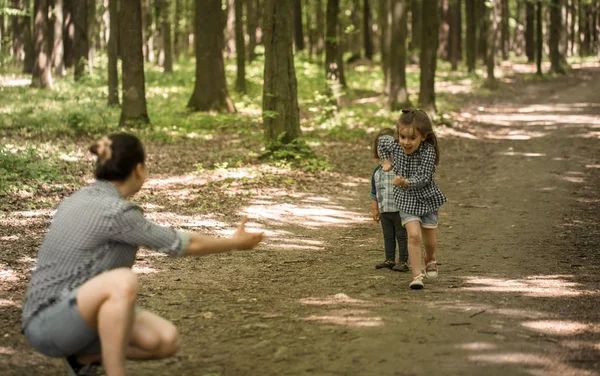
417, 196
386, 212
80, 303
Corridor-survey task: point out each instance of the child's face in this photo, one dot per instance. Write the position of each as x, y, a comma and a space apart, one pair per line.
410, 138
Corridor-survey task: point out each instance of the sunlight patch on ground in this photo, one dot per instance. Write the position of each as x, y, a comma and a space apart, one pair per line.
336, 299
473, 310
476, 346
576, 345
143, 270
7, 274
513, 153
7, 303
538, 286
572, 179
561, 327
7, 350
545, 365
348, 320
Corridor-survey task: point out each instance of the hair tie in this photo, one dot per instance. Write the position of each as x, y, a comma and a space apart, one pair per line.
104, 149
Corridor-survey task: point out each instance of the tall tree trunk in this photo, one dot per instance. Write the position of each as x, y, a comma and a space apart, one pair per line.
354, 43
416, 11
563, 42
230, 30
367, 30
483, 27
444, 33
398, 97
41, 76
428, 60
573, 29
91, 32
490, 60
210, 88
179, 35
505, 29
455, 31
298, 32
554, 40
133, 110
384, 18
251, 26
69, 32
240, 47
310, 21
30, 54
530, 31
163, 19
148, 29
320, 31
113, 53
80, 43
281, 115
58, 62
18, 33
539, 40
333, 70
471, 13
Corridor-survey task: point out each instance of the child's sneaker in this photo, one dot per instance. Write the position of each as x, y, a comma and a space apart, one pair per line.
431, 270
74, 368
386, 264
401, 267
417, 282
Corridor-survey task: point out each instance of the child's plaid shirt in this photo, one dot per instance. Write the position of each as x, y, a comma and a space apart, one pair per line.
382, 190
422, 196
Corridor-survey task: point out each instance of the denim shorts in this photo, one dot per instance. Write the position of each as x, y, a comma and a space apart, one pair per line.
59, 330
429, 220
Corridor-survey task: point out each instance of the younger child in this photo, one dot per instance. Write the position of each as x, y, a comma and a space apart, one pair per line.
417, 196
385, 211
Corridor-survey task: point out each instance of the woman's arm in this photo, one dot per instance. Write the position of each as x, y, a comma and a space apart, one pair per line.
241, 240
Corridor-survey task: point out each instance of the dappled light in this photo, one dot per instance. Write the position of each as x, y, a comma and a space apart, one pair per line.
477, 346
337, 299
538, 364
561, 327
344, 316
8, 303
348, 320
539, 286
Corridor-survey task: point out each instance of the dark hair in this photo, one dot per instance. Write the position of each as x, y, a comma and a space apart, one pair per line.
118, 155
419, 120
383, 132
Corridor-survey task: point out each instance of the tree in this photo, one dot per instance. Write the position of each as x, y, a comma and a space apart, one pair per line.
333, 69
164, 21
490, 59
320, 30
428, 59
230, 29
58, 62
455, 33
505, 29
298, 31
41, 76
530, 30
398, 92
281, 115
251, 26
133, 110
554, 40
210, 88
384, 20
148, 27
539, 38
68, 32
471, 12
240, 47
367, 30
80, 41
113, 53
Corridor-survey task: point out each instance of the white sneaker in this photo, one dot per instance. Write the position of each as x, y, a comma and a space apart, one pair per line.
417, 282
431, 270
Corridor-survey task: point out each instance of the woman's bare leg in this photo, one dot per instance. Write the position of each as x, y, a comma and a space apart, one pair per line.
152, 337
107, 304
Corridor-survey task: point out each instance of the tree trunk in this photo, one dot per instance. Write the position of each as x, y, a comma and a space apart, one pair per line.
443, 34
353, 38
30, 55
58, 62
483, 27
539, 38
18, 33
490, 60
398, 97
530, 31
80, 43
455, 32
505, 30
428, 60
133, 110
298, 32
240, 47
251, 26
230, 30
210, 89
165, 47
91, 33
179, 36
69, 32
113, 53
320, 31
148, 28
367, 30
573, 29
563, 41
333, 70
416, 11
281, 115
384, 18
41, 76
554, 40
471, 13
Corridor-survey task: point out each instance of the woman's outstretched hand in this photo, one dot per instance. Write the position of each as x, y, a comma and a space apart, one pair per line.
246, 240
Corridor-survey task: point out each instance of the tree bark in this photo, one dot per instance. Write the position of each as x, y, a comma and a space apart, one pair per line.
416, 11
398, 97
113, 53
483, 28
320, 31
30, 57
490, 59
505, 29
384, 19
554, 40
165, 47
179, 36
471, 13
80, 42
68, 32
443, 34
298, 28
240, 47
251, 26
281, 115
454, 8
354, 37
530, 31
210, 89
367, 30
573, 29
18, 34
333, 69
133, 110
230, 30
41, 76
428, 59
539, 38
58, 62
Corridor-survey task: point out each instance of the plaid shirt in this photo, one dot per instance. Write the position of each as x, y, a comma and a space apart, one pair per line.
382, 190
93, 231
422, 196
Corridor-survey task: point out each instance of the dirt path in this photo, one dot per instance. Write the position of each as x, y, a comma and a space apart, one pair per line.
518, 288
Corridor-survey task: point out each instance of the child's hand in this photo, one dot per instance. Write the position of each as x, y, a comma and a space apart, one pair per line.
387, 165
400, 181
376, 215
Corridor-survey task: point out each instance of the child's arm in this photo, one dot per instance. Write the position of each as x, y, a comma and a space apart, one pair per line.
424, 174
374, 204
375, 207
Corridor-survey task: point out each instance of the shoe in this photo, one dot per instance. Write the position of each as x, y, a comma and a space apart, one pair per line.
74, 368
431, 270
401, 267
417, 282
386, 264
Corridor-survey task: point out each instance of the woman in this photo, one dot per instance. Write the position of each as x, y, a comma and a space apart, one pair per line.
80, 303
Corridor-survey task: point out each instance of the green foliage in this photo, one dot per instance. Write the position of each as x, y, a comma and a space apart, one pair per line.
296, 154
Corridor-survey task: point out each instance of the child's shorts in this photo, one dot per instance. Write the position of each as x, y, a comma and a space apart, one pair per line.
429, 220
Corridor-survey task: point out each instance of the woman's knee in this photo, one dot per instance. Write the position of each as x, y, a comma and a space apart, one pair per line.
125, 282
171, 342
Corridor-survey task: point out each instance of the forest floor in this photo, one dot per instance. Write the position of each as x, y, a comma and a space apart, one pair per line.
519, 284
